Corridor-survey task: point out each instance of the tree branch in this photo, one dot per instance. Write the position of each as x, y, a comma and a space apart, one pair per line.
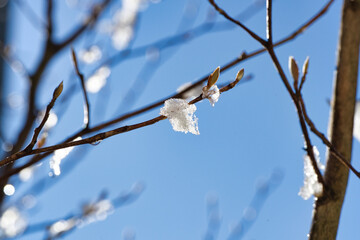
37, 130
227, 16
269, 21
158, 103
86, 98
101, 136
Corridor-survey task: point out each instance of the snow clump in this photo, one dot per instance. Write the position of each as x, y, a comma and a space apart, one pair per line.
181, 115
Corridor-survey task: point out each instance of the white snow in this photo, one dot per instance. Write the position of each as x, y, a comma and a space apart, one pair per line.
356, 131
181, 115
311, 183
212, 94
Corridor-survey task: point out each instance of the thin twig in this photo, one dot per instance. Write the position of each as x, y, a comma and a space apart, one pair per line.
37, 130
97, 137
50, 50
322, 136
269, 47
96, 11
269, 21
86, 98
309, 146
227, 16
49, 16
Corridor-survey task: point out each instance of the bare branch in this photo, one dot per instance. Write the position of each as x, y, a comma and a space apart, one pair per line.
227, 16
309, 146
158, 103
96, 11
269, 21
37, 130
100, 136
322, 136
86, 98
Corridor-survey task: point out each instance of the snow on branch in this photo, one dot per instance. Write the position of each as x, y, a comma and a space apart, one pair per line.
181, 115
312, 186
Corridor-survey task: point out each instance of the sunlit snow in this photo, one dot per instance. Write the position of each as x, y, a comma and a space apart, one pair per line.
311, 183
212, 94
181, 115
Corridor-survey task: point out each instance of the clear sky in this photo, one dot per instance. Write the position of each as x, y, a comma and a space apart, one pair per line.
251, 134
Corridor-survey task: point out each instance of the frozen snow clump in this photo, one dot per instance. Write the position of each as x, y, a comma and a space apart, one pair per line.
181, 115
311, 184
212, 93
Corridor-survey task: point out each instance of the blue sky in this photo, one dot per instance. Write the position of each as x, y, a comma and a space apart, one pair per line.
251, 132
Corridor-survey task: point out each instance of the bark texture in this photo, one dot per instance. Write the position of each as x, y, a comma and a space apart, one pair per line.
328, 207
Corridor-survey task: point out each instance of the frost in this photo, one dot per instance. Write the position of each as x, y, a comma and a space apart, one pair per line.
192, 93
212, 93
311, 183
59, 155
12, 223
356, 131
181, 115
97, 81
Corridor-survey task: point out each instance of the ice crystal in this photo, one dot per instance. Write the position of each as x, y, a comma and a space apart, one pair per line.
212, 93
181, 115
311, 184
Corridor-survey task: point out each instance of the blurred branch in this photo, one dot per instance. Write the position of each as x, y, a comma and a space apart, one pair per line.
35, 20
181, 38
96, 11
262, 193
50, 50
49, 17
90, 212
